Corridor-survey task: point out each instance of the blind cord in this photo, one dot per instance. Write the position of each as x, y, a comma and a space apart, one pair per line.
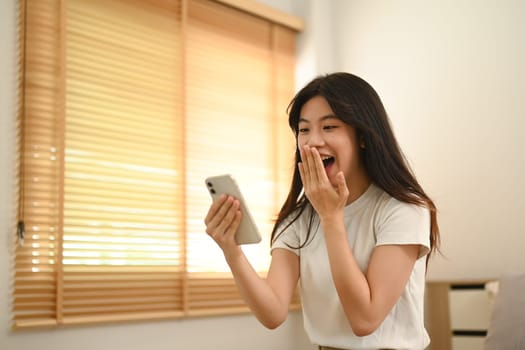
21, 120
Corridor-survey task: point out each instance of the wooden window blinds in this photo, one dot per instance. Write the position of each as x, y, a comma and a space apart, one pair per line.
125, 107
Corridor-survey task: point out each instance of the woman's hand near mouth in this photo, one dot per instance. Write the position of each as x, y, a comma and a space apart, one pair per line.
328, 200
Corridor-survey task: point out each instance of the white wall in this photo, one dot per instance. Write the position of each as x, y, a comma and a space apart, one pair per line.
452, 76
234, 332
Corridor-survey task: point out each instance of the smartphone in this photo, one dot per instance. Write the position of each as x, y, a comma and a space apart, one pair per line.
247, 232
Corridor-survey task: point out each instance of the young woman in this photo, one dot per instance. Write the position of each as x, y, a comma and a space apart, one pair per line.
357, 227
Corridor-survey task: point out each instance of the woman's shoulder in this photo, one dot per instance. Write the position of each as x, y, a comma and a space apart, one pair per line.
386, 205
299, 215
399, 222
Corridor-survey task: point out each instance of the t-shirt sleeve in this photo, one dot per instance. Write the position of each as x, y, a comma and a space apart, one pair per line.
403, 223
287, 239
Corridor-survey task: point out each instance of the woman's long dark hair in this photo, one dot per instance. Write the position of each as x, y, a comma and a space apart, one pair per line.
357, 104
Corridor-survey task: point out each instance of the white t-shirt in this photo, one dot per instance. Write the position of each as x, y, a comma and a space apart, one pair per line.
373, 219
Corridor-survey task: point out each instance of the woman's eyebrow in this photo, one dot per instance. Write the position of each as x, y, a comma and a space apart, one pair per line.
329, 116
326, 117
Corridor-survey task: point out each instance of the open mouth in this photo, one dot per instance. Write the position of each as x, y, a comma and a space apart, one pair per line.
328, 161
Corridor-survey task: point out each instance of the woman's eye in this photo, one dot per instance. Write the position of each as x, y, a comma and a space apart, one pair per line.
303, 130
329, 127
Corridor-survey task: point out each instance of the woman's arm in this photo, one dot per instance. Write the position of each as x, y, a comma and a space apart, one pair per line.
368, 298
267, 298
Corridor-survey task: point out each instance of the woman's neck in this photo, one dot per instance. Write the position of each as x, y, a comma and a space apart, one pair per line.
357, 185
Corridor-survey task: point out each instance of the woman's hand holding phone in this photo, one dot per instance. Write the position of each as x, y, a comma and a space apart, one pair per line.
229, 221
222, 222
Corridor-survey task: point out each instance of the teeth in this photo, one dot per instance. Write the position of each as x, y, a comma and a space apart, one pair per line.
325, 157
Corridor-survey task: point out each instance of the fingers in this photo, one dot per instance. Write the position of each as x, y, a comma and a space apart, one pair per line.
342, 189
216, 205
309, 163
319, 189
313, 171
223, 218
320, 173
304, 169
232, 228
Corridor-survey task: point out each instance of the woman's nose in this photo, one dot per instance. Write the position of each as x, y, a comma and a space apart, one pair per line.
315, 139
